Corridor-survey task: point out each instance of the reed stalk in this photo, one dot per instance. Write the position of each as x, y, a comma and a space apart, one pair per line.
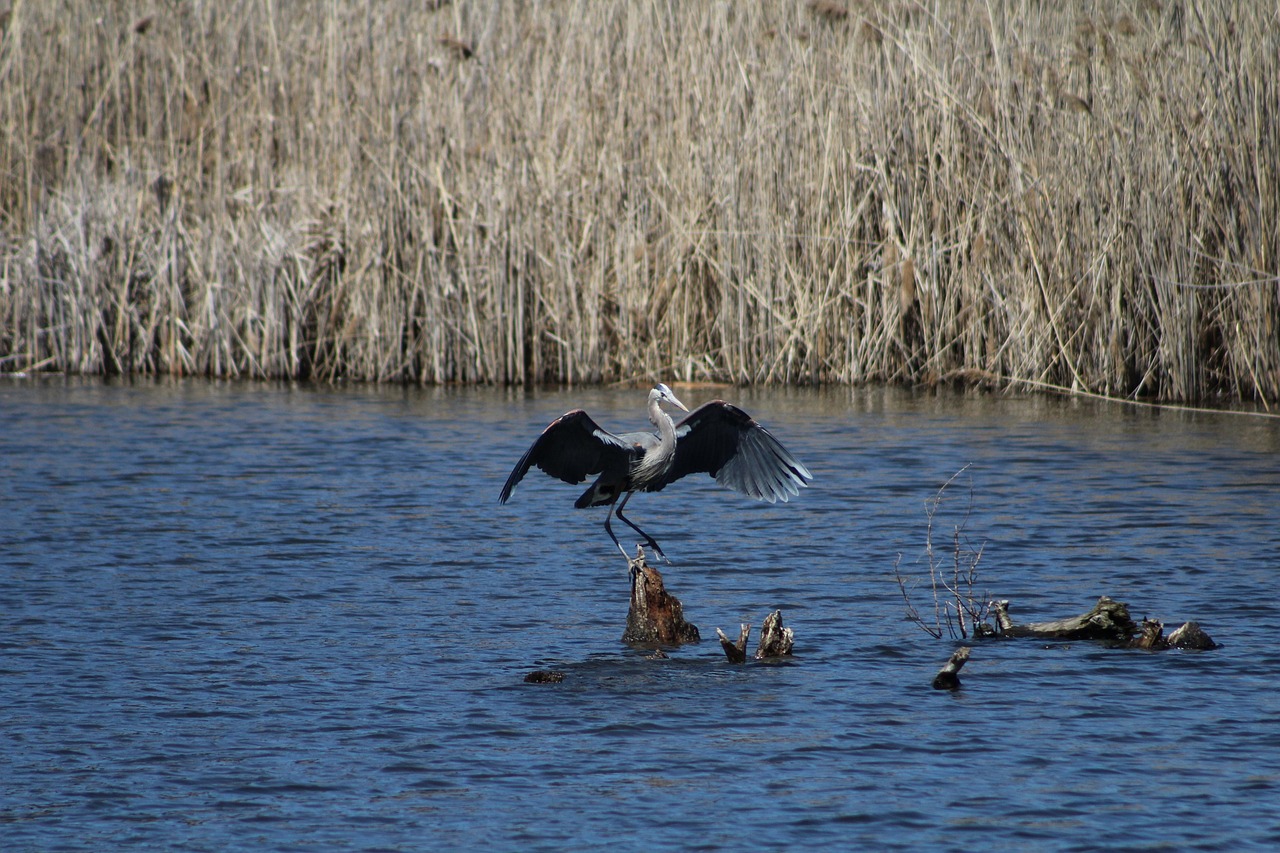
1082, 197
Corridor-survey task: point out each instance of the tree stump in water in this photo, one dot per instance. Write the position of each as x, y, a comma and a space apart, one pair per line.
656, 617
775, 640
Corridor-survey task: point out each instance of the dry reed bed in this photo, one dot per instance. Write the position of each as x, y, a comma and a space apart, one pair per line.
590, 191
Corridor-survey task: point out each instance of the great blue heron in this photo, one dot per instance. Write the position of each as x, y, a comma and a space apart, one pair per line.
717, 438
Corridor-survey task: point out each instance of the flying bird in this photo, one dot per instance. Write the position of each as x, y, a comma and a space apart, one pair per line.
716, 438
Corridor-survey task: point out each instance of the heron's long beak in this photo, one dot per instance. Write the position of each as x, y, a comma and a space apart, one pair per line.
662, 394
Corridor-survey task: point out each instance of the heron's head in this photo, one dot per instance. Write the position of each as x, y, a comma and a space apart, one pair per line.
662, 394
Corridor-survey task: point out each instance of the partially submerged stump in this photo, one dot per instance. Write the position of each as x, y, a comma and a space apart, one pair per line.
948, 678
776, 640
656, 617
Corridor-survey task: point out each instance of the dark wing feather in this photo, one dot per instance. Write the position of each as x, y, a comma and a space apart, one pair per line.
572, 448
722, 440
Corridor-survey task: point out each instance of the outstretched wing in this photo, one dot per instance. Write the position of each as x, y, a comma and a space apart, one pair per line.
571, 448
728, 444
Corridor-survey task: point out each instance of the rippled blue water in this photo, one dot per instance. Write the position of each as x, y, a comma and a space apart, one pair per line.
268, 617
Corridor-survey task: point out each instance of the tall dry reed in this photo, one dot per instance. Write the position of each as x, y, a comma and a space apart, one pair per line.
582, 191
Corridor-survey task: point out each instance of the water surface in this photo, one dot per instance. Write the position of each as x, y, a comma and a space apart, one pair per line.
293, 617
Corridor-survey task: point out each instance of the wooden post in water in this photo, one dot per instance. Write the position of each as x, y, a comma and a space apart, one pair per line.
656, 617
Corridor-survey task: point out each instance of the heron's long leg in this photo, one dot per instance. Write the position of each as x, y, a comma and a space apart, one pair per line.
649, 540
609, 529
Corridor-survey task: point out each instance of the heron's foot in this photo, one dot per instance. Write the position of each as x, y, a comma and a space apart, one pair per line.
657, 550
652, 546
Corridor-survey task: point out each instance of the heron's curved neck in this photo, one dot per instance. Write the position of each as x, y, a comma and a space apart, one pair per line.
666, 427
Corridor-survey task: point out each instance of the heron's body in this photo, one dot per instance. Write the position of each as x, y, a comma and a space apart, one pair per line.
717, 438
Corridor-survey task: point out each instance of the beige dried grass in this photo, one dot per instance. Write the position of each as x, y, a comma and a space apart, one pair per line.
997, 192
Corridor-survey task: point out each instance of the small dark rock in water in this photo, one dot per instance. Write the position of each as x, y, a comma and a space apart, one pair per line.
544, 676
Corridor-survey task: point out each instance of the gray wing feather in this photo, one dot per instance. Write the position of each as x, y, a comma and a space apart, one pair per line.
571, 448
722, 440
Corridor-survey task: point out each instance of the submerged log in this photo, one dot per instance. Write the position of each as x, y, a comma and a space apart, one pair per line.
1107, 620
656, 617
544, 676
948, 678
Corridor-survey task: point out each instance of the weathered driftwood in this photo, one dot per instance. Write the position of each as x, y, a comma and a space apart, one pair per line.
656, 617
948, 678
776, 640
1108, 620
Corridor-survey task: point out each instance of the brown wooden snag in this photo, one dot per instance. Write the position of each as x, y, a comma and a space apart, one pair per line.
655, 617
776, 640
735, 652
1150, 636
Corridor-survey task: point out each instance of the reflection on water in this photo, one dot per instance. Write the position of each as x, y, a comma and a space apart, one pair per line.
284, 617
